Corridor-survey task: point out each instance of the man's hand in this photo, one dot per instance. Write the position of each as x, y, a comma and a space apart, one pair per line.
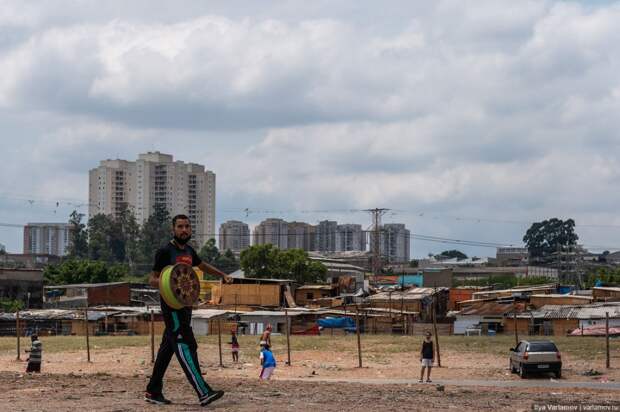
154, 279
212, 270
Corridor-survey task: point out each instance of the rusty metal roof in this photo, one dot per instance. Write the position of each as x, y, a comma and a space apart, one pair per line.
492, 309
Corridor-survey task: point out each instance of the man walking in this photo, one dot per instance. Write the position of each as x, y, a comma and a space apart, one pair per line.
178, 337
427, 356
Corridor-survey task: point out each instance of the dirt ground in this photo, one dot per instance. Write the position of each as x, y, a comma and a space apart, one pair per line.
107, 392
306, 363
116, 377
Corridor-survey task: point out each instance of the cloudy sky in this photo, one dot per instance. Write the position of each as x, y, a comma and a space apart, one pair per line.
469, 119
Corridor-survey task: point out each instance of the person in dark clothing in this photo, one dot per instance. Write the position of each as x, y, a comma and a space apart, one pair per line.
234, 346
178, 338
36, 354
427, 356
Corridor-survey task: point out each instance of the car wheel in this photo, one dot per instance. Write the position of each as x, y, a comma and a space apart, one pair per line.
521, 371
558, 374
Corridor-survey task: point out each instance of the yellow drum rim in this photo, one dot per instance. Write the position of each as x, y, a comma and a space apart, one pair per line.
165, 291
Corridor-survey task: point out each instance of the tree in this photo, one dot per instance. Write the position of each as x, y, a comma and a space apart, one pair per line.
227, 262
261, 261
73, 271
549, 236
78, 238
267, 261
603, 256
451, 254
129, 236
103, 243
11, 305
155, 232
209, 252
296, 266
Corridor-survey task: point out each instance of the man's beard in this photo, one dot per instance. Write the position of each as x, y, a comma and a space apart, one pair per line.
182, 241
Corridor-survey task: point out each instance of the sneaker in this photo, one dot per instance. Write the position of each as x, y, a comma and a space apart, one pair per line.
420, 381
156, 399
212, 397
428, 381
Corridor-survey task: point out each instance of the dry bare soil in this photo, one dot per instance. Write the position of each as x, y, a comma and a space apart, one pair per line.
117, 375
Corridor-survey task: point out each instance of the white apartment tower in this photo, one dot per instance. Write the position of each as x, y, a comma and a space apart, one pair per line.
234, 235
155, 178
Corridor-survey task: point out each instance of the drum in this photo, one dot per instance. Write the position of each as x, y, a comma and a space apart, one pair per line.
179, 286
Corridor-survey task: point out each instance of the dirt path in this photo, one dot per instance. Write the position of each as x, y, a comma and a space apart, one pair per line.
530, 383
112, 393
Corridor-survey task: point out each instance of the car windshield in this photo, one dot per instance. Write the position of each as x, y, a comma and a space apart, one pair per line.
542, 347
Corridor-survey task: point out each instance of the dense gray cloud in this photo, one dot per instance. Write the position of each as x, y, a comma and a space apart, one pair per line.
440, 110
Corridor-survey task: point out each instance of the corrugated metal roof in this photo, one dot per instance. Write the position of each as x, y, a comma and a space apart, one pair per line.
492, 309
607, 288
267, 313
316, 287
593, 311
210, 313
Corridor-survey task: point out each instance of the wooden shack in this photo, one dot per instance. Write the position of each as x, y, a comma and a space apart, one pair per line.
463, 293
245, 293
605, 293
538, 301
310, 294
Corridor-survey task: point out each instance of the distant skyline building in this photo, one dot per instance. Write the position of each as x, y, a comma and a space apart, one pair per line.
155, 179
394, 243
326, 236
350, 237
47, 238
301, 235
271, 231
234, 235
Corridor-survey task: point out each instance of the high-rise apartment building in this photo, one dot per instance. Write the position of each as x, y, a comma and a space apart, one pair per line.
326, 236
47, 238
155, 179
394, 243
274, 231
301, 236
234, 235
350, 237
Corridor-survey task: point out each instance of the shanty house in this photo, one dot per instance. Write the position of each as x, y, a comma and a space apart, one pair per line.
538, 301
463, 293
25, 285
606, 293
559, 320
87, 294
308, 294
486, 316
519, 292
417, 300
248, 293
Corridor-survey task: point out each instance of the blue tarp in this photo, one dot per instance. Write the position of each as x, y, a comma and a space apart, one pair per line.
337, 323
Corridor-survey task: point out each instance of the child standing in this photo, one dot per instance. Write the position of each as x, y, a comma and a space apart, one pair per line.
427, 356
234, 346
267, 361
36, 351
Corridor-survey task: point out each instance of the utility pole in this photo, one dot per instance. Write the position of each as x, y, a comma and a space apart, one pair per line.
376, 239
